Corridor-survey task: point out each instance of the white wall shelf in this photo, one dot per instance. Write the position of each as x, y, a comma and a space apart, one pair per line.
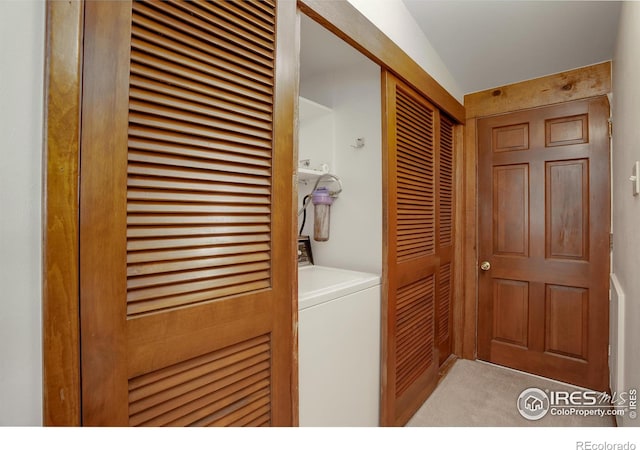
305, 174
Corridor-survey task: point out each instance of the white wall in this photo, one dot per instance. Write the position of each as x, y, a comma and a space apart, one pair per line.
315, 135
626, 207
354, 95
21, 99
393, 18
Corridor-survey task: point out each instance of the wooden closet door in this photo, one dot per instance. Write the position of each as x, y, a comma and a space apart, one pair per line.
186, 236
410, 354
445, 233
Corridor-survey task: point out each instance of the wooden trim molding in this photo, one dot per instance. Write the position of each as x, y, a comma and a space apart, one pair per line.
590, 81
60, 306
469, 242
287, 72
295, 369
577, 84
459, 237
344, 20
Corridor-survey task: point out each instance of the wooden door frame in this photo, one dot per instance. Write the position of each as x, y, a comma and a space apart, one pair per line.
60, 293
577, 84
63, 84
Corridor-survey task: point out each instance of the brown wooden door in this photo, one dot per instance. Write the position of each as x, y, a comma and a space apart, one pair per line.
417, 265
186, 236
445, 234
544, 229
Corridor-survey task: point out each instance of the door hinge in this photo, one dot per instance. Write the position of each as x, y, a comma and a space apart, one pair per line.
610, 128
610, 241
609, 350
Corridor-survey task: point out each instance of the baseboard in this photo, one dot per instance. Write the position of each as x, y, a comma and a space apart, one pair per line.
446, 367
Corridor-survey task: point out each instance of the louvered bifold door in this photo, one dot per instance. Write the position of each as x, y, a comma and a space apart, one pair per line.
187, 240
444, 291
410, 361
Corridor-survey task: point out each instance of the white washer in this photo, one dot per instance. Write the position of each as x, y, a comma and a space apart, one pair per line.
339, 347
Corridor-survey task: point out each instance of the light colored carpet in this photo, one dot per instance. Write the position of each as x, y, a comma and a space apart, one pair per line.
477, 394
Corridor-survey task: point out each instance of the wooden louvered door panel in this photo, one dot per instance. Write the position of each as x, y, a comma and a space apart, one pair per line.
410, 354
187, 253
444, 293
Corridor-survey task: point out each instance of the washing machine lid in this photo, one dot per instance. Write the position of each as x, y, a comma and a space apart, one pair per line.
319, 284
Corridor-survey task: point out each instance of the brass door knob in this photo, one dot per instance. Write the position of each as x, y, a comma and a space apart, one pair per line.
486, 265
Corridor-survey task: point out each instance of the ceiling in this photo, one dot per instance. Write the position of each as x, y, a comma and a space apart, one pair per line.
486, 44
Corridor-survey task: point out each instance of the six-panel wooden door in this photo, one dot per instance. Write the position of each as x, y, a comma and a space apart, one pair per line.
544, 220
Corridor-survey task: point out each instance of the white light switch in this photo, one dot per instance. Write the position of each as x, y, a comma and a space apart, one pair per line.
635, 178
